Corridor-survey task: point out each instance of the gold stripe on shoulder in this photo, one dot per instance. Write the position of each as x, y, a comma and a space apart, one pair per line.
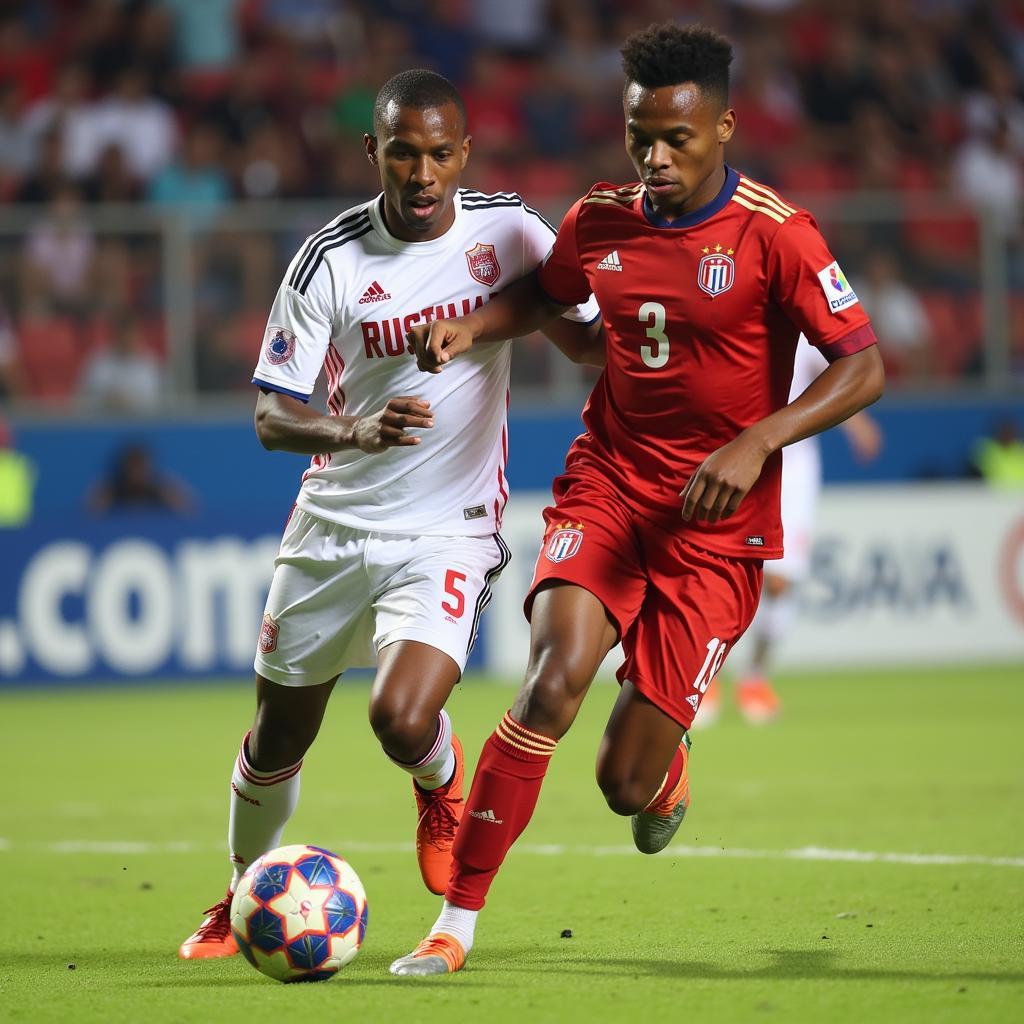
742, 190
766, 210
621, 201
767, 193
622, 194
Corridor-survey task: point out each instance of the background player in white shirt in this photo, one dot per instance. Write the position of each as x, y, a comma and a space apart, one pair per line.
393, 543
801, 485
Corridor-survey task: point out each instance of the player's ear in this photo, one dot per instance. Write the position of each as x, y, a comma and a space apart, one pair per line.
467, 145
726, 124
370, 142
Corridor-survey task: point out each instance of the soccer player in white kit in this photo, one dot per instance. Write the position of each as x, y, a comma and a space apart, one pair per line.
390, 552
801, 486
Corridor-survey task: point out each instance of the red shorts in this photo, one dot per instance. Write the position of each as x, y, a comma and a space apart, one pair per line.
679, 609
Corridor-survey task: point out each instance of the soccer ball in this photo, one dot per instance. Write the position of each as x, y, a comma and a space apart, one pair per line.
299, 913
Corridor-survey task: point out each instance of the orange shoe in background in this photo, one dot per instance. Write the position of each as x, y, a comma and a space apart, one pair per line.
710, 706
757, 701
213, 937
440, 811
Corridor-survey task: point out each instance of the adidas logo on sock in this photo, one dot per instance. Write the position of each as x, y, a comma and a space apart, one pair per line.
487, 815
611, 262
374, 294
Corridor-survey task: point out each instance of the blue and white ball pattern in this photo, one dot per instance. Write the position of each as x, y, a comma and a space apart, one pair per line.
299, 913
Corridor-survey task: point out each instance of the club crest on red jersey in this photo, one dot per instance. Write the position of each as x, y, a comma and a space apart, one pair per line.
268, 635
564, 542
483, 263
716, 270
280, 345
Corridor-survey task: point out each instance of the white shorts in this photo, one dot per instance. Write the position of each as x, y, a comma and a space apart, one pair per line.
801, 485
339, 595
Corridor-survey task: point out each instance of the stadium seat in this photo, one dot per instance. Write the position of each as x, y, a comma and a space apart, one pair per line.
51, 354
956, 329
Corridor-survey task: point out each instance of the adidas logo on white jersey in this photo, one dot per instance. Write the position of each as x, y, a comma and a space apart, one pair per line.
611, 262
487, 815
374, 294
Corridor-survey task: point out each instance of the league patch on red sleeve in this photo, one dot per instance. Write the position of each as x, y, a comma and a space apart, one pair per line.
280, 345
836, 288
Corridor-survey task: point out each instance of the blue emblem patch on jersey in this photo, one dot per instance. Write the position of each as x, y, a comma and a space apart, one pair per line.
280, 345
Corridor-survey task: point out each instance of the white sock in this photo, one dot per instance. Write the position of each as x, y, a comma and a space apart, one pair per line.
458, 922
261, 804
773, 616
437, 766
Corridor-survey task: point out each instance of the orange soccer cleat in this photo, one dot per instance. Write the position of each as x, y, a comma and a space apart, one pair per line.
213, 937
757, 701
436, 954
440, 811
656, 824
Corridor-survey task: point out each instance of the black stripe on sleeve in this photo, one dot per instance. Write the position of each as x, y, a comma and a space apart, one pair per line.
326, 234
324, 249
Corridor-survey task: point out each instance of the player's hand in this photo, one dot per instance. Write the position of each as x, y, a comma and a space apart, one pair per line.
387, 428
723, 480
438, 343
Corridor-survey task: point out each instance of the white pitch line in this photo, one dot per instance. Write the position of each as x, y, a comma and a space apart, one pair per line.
817, 853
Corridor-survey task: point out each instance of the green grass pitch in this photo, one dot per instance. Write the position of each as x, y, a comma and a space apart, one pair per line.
114, 811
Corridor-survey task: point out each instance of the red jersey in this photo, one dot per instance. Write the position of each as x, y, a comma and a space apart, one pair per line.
702, 316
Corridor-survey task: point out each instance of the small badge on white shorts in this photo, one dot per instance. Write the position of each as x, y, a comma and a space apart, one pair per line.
474, 512
268, 635
836, 288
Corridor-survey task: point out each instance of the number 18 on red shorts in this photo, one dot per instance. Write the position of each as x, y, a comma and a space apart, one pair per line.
679, 609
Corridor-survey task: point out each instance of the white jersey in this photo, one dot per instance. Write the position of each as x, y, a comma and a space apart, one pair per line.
347, 300
807, 367
801, 477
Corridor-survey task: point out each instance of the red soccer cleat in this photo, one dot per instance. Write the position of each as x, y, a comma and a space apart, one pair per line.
757, 701
440, 811
213, 937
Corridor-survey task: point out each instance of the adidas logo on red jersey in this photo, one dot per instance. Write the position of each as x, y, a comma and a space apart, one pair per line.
374, 294
611, 262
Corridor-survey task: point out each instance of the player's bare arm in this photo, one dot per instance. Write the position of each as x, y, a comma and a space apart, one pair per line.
286, 424
723, 479
520, 309
580, 343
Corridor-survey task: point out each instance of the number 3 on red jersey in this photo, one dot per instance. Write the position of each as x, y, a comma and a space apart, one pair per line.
653, 315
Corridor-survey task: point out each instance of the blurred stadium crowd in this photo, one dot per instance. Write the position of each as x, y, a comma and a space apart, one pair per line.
183, 108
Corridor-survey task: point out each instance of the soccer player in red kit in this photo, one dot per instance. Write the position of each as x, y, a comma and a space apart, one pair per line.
670, 499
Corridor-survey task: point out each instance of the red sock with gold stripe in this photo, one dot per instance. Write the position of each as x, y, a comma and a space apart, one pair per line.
505, 789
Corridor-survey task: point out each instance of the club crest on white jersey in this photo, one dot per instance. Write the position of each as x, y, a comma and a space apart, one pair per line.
483, 263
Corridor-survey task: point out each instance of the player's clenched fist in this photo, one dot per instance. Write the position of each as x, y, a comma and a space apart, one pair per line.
438, 343
723, 479
387, 428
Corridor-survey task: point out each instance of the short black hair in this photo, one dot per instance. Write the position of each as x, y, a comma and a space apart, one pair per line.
419, 89
667, 54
